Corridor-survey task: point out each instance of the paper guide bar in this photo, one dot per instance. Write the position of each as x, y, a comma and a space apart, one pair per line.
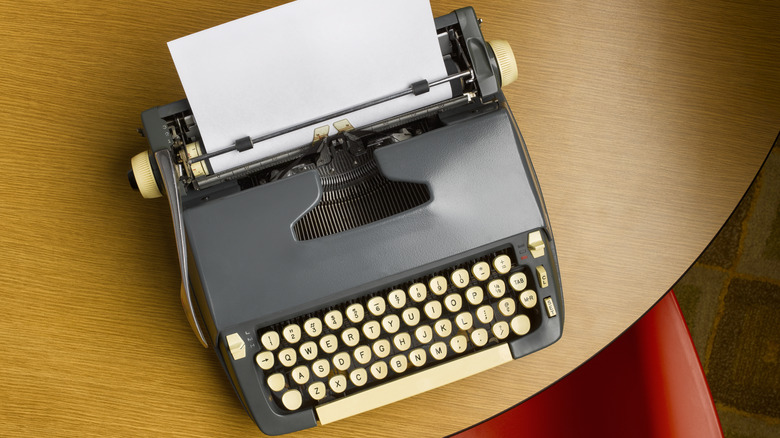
416, 88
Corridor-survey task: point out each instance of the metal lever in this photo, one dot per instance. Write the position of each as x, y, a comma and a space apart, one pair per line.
165, 164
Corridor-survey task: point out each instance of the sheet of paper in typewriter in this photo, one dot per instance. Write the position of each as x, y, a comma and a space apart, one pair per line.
302, 60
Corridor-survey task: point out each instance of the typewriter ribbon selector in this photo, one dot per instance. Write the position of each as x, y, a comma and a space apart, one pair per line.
373, 263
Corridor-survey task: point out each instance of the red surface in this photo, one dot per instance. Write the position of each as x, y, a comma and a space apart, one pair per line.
647, 383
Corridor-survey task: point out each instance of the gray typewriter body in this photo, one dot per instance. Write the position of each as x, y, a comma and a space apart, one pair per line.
253, 266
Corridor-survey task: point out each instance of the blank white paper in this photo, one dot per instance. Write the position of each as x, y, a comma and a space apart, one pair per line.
302, 60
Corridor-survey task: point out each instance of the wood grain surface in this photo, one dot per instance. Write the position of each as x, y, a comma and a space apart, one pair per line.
646, 122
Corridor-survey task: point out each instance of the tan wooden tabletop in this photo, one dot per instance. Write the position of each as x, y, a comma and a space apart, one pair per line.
646, 122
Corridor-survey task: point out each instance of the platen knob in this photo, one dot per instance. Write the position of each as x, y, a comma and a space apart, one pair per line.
144, 176
506, 61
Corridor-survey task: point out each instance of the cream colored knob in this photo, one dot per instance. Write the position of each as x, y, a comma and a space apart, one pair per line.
506, 61
144, 177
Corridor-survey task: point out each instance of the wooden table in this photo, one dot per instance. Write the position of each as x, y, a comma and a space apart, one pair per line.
646, 122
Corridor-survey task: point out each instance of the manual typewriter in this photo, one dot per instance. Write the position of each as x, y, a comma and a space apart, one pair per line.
372, 264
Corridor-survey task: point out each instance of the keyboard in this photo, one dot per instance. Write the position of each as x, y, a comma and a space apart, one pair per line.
405, 339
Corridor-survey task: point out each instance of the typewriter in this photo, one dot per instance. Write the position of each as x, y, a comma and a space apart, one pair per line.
372, 264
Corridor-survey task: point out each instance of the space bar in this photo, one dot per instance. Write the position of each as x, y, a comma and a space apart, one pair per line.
414, 384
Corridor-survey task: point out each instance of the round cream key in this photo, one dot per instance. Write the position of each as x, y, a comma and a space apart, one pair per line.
438, 285
443, 328
460, 278
308, 350
411, 316
464, 320
381, 348
418, 357
355, 312
341, 361
300, 374
424, 334
481, 271
317, 390
438, 350
391, 323
376, 306
276, 382
479, 337
338, 383
292, 333
321, 368
313, 327
528, 299
265, 360
485, 314
432, 309
288, 357
329, 343
518, 281
417, 292
521, 324
501, 329
506, 306
292, 399
502, 264
399, 363
362, 354
358, 376
371, 329
453, 302
379, 370
458, 343
334, 319
402, 341
474, 295
350, 336
270, 340
496, 288
397, 298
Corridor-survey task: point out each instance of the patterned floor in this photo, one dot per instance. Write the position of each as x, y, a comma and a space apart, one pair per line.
731, 301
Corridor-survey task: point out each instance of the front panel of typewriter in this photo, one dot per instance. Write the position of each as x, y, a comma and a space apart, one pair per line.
373, 264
